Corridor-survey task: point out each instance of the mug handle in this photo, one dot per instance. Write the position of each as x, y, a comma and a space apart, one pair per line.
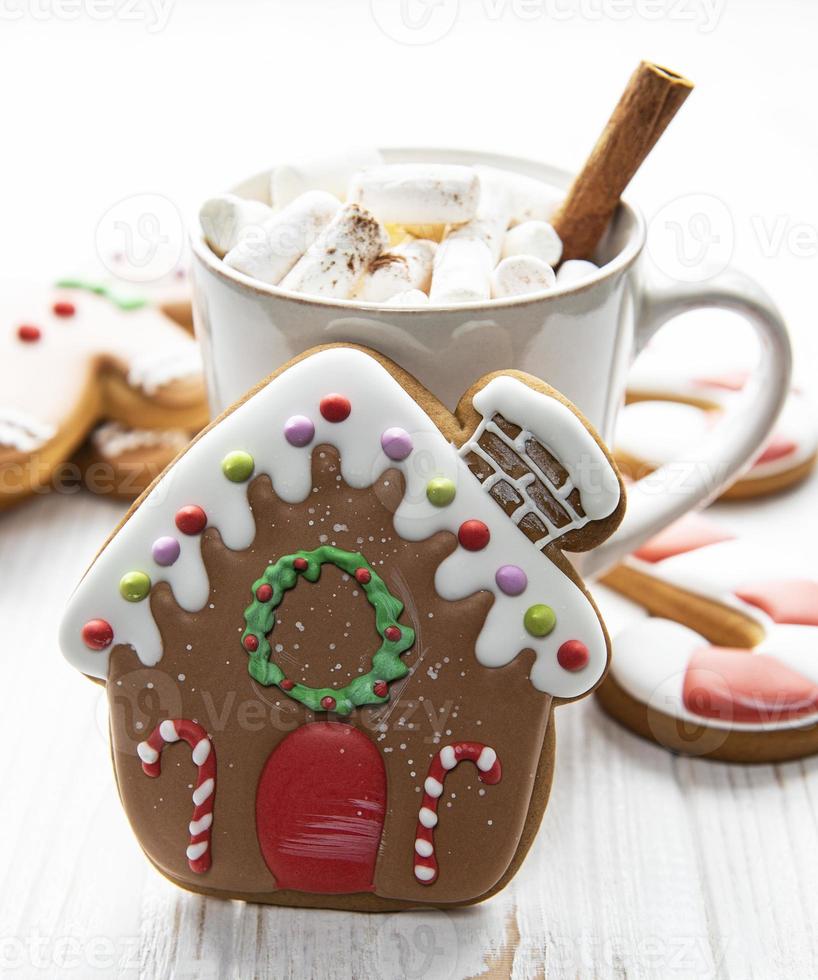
699, 476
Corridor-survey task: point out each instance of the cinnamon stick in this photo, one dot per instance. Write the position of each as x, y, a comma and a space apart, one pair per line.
652, 98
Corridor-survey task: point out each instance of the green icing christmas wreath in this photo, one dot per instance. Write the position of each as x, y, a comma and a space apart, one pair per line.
259, 616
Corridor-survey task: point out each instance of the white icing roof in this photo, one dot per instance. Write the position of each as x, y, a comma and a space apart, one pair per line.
378, 402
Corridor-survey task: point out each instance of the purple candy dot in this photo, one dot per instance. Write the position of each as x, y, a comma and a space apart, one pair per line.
396, 443
511, 579
165, 551
299, 430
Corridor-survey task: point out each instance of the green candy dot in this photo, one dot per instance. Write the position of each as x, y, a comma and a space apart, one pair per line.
134, 586
238, 466
440, 491
540, 620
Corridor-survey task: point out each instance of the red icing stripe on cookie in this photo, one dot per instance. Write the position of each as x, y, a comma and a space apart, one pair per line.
730, 381
688, 534
792, 601
778, 447
736, 685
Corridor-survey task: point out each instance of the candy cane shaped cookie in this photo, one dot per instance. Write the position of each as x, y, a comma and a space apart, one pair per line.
204, 757
490, 772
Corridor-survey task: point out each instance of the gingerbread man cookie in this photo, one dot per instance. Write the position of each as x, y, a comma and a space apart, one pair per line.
73, 356
728, 667
121, 462
121, 280
352, 607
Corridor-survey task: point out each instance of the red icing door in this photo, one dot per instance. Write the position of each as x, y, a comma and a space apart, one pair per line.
320, 809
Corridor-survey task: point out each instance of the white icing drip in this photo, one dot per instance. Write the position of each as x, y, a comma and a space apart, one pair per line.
113, 439
154, 370
448, 759
23, 431
424, 848
424, 874
203, 792
486, 759
195, 851
378, 402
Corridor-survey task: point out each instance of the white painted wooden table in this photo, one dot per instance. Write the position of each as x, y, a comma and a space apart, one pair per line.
646, 865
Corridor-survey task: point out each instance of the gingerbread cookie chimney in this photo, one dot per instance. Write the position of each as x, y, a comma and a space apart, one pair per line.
349, 608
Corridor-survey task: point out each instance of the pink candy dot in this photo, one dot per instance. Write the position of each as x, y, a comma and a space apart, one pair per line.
396, 443
299, 431
165, 551
511, 579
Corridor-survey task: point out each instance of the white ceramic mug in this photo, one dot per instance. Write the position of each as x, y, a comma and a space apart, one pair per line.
580, 338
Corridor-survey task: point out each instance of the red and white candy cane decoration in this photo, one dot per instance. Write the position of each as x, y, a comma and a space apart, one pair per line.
204, 757
490, 772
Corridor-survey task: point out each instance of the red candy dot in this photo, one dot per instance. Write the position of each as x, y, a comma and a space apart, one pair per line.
29, 333
335, 408
301, 564
63, 308
328, 703
287, 684
572, 655
97, 634
380, 689
191, 519
264, 593
362, 575
251, 643
473, 535
392, 633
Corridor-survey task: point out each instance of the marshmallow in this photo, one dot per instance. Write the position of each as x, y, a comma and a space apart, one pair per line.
225, 218
575, 270
521, 274
536, 238
531, 199
490, 223
326, 173
465, 258
461, 272
418, 193
333, 264
272, 250
408, 266
410, 297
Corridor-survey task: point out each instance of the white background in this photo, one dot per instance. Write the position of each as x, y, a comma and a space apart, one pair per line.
646, 865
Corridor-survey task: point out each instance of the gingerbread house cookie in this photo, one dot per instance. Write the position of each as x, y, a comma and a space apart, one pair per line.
351, 607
